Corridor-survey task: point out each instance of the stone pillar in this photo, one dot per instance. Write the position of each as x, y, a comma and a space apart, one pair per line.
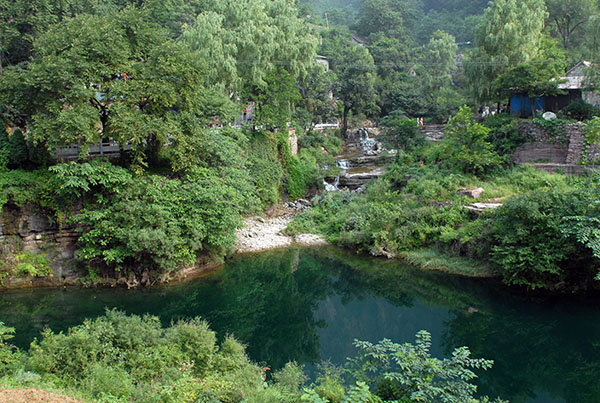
576, 137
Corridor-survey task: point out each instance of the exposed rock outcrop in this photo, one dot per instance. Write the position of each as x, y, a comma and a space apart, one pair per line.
24, 230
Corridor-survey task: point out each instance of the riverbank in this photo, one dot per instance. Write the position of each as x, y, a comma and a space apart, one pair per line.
256, 235
259, 234
431, 259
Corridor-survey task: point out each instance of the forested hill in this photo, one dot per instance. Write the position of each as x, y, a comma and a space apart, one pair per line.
457, 17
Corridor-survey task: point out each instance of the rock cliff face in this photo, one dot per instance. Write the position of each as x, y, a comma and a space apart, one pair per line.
24, 230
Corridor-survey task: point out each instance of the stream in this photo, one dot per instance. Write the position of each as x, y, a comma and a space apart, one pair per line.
363, 159
309, 304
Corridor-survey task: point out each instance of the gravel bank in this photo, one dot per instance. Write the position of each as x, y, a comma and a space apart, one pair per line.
259, 234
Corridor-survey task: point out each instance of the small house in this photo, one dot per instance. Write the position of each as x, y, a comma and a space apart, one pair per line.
573, 89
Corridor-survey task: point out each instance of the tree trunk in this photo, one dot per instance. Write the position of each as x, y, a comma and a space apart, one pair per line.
345, 120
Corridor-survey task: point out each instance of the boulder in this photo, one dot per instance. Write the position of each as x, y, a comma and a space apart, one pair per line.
481, 207
471, 193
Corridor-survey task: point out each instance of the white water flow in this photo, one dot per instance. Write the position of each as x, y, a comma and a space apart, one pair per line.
332, 187
344, 164
368, 145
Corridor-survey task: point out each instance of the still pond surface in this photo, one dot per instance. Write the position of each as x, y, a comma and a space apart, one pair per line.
308, 305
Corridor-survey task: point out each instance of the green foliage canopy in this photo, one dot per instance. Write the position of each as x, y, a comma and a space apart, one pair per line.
466, 146
510, 33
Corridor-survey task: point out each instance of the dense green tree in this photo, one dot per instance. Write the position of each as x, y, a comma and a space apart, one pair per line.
592, 37
23, 20
458, 23
390, 55
117, 77
401, 133
3, 148
548, 239
17, 149
535, 78
407, 94
569, 17
316, 89
276, 99
466, 145
333, 41
470, 6
439, 56
20, 22
394, 18
355, 72
510, 33
532, 79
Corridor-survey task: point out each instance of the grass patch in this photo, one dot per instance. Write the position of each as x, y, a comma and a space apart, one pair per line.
433, 259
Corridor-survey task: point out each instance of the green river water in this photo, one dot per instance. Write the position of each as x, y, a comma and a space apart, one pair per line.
308, 305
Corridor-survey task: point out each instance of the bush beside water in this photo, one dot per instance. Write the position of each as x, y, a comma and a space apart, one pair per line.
117, 358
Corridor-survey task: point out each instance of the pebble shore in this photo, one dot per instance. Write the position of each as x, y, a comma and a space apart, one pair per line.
260, 234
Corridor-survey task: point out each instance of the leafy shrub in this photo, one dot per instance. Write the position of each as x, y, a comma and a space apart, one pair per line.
118, 357
161, 224
466, 146
401, 133
581, 110
301, 172
135, 359
265, 168
331, 142
384, 220
74, 180
555, 128
504, 133
412, 374
8, 356
22, 187
592, 140
548, 239
28, 264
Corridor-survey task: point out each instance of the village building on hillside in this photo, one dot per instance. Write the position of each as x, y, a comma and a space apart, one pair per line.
573, 86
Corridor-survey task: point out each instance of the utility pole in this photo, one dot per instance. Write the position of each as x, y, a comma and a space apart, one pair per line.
327, 20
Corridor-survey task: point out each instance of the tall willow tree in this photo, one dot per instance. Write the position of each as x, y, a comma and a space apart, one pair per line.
440, 57
510, 33
246, 41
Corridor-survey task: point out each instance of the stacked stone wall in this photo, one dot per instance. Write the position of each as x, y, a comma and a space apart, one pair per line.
565, 146
24, 230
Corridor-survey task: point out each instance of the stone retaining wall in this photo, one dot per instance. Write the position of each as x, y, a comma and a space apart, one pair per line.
564, 147
540, 152
24, 230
